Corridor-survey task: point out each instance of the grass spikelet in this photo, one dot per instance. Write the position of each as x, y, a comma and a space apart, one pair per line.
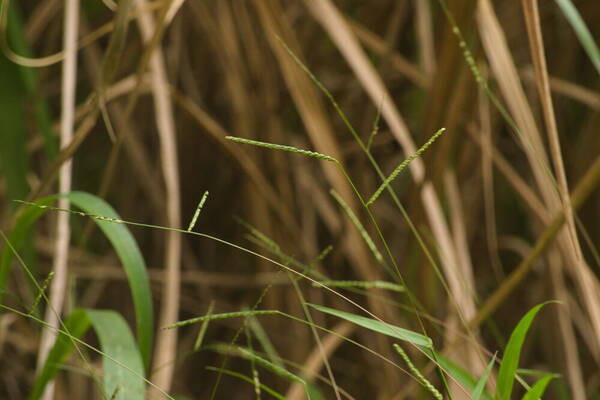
197, 213
364, 285
211, 317
359, 226
274, 146
424, 381
41, 292
203, 327
403, 165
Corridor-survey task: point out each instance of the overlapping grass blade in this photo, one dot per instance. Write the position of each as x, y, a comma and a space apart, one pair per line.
133, 264
378, 326
510, 360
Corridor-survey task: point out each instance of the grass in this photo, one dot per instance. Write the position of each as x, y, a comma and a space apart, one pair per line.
391, 270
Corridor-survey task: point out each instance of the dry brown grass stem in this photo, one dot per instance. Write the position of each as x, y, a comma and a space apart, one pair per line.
529, 197
335, 25
587, 96
570, 350
314, 362
60, 267
582, 191
166, 341
503, 66
218, 133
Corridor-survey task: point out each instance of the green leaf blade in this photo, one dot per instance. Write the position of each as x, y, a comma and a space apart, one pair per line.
510, 361
480, 387
133, 264
537, 390
123, 366
378, 326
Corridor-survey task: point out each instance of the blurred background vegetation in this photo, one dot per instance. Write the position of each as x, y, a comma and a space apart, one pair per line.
158, 86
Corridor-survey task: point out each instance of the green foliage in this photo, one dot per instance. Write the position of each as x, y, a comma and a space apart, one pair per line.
379, 327
119, 350
480, 387
512, 353
123, 370
281, 147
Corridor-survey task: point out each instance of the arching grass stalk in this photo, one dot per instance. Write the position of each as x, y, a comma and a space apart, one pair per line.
398, 276
248, 251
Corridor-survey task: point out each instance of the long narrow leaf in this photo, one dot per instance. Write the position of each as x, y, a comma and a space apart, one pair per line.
510, 361
378, 326
123, 243
461, 376
120, 350
537, 390
133, 263
479, 388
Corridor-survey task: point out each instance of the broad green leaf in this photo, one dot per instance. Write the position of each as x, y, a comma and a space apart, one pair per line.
583, 34
537, 390
76, 325
124, 245
133, 263
478, 391
510, 361
123, 377
378, 326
